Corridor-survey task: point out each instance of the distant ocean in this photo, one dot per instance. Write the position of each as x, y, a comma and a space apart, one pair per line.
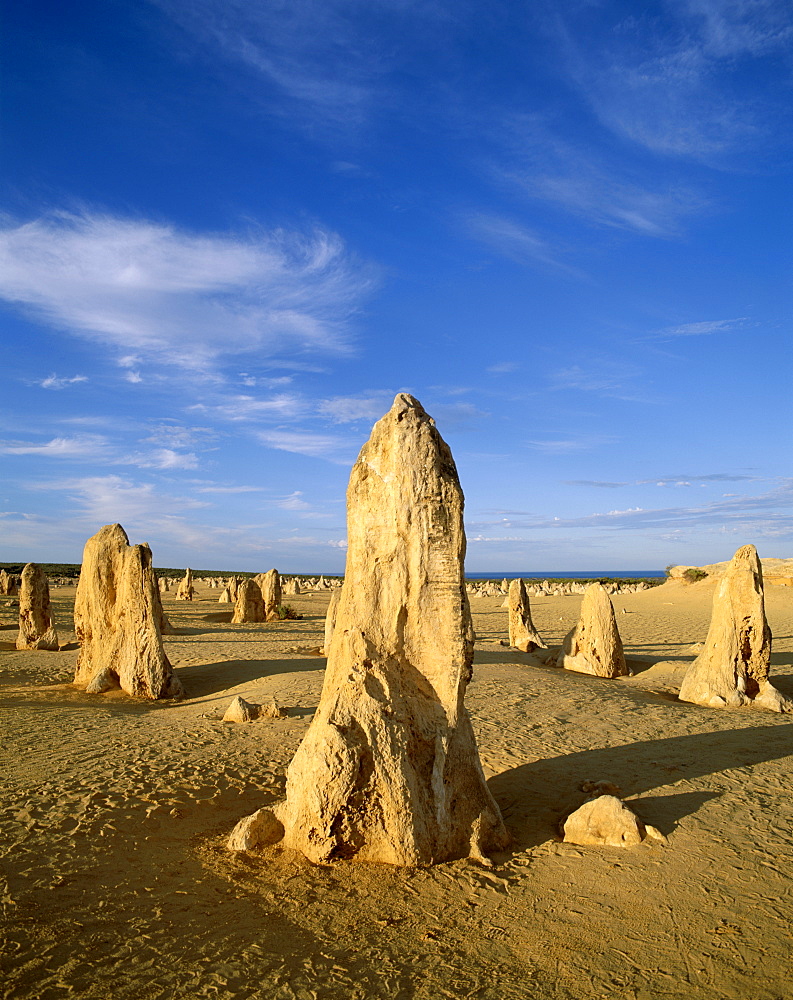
589, 574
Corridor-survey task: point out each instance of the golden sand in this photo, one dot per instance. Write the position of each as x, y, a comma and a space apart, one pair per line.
115, 813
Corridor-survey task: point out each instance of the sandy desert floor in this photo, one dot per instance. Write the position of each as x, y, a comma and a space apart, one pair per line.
114, 814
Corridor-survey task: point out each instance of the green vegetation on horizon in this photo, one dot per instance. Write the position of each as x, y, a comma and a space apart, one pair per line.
72, 570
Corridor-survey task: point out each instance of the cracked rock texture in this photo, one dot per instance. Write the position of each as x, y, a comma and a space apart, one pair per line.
389, 770
118, 618
732, 669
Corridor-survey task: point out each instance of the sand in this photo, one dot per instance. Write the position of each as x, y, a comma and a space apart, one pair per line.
114, 816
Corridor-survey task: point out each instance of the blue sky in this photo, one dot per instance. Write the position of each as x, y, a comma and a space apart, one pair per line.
232, 230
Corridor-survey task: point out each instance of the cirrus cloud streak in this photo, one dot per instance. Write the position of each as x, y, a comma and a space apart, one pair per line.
181, 297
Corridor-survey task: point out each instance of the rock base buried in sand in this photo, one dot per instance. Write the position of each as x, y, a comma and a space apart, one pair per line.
594, 645
249, 606
118, 620
605, 822
36, 630
732, 669
388, 770
248, 711
522, 633
257, 830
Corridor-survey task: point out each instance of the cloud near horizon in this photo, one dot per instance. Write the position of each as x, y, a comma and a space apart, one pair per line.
767, 514
178, 297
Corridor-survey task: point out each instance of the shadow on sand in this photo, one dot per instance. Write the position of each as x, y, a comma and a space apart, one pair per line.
209, 678
534, 797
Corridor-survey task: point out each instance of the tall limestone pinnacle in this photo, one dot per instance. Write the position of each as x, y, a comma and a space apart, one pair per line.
594, 645
118, 620
522, 633
732, 670
389, 770
36, 630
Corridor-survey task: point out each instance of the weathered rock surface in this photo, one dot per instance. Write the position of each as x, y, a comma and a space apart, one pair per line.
117, 619
225, 596
778, 571
270, 586
732, 669
241, 711
257, 830
330, 619
522, 633
249, 606
35, 624
594, 646
248, 711
604, 821
8, 585
185, 590
389, 769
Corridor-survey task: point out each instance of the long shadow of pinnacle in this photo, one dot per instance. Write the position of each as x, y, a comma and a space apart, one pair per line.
533, 797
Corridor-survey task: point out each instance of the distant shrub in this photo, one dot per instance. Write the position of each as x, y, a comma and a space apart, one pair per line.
669, 568
286, 611
693, 574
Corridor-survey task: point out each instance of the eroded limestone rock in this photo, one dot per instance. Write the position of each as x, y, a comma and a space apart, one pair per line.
35, 624
117, 619
241, 710
732, 669
388, 770
604, 821
270, 586
185, 591
257, 830
522, 633
330, 619
594, 645
249, 606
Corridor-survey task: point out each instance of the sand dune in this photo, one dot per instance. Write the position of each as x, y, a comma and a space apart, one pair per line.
114, 815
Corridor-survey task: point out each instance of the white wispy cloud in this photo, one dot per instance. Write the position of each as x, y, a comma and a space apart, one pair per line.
334, 449
666, 78
516, 241
111, 498
591, 183
147, 288
219, 488
600, 375
322, 64
348, 409
300, 541
54, 381
769, 513
729, 28
683, 480
96, 448
162, 458
704, 328
179, 436
294, 501
562, 446
81, 447
239, 408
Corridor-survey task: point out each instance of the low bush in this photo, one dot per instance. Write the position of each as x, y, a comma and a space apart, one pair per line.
286, 611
